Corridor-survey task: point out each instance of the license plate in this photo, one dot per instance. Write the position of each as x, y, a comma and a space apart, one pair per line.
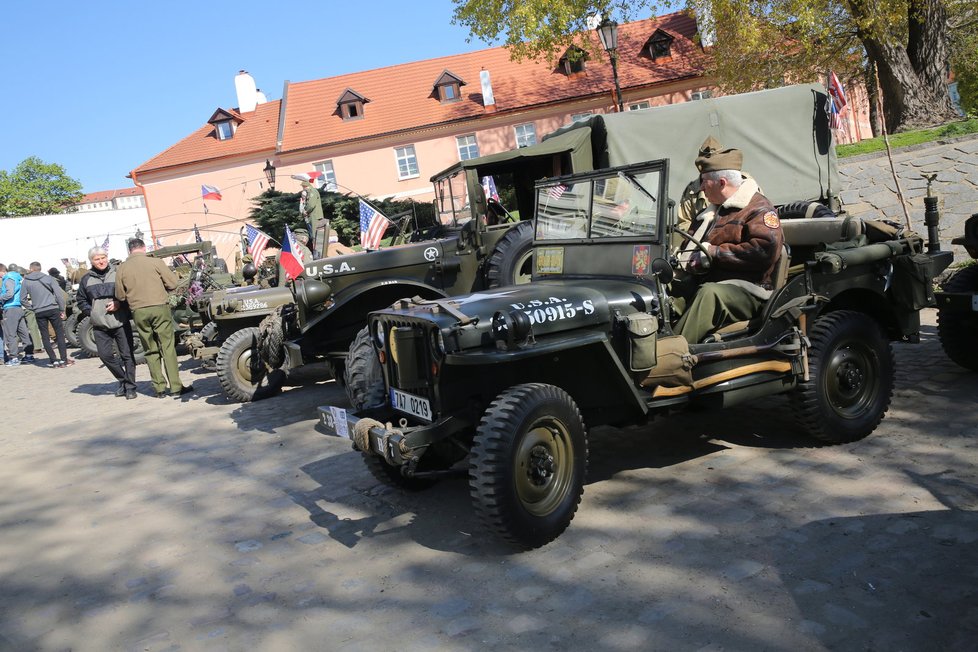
414, 405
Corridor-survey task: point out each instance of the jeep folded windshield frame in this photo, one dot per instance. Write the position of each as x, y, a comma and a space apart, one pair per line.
623, 202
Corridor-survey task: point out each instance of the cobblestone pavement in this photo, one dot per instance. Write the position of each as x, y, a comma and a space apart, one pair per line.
198, 524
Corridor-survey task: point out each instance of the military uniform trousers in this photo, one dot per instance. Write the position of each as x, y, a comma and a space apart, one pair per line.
155, 327
715, 305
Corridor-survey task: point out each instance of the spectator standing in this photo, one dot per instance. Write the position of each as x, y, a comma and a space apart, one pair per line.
55, 273
145, 284
110, 317
14, 322
47, 300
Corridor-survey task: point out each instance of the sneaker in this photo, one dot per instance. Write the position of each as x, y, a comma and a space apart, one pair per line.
54, 365
12, 362
28, 358
121, 391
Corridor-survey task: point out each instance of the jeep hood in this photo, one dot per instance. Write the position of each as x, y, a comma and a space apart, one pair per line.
389, 258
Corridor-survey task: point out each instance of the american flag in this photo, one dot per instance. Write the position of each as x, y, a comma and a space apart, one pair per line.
489, 186
372, 226
835, 118
257, 241
557, 191
835, 90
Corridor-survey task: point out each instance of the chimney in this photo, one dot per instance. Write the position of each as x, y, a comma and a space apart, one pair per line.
244, 85
488, 101
261, 96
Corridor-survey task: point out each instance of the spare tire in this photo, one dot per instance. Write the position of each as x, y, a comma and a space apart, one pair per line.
71, 329
804, 209
512, 259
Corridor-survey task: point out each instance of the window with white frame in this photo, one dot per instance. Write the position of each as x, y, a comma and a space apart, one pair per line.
526, 134
225, 130
639, 106
701, 95
329, 175
581, 117
407, 162
468, 147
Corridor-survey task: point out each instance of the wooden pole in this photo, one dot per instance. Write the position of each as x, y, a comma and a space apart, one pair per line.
889, 152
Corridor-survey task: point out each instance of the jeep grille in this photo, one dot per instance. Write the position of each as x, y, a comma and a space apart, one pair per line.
409, 355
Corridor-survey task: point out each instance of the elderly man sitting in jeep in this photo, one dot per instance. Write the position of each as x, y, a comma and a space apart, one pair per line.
742, 245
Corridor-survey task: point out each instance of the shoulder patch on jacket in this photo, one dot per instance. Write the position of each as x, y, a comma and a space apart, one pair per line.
771, 220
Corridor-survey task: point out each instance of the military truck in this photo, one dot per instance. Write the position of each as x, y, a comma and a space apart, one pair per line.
503, 384
957, 302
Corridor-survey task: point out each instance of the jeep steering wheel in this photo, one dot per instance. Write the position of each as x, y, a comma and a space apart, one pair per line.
705, 259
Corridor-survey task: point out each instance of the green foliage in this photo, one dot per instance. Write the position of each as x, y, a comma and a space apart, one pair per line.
905, 138
275, 209
37, 188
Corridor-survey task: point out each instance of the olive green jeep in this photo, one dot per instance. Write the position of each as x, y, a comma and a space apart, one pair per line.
502, 385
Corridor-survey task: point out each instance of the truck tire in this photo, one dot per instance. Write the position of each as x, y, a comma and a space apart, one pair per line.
804, 209
209, 332
234, 365
959, 330
512, 259
850, 378
363, 375
527, 464
271, 339
71, 330
86, 341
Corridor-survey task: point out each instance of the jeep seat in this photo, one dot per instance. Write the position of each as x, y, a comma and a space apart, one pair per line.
778, 279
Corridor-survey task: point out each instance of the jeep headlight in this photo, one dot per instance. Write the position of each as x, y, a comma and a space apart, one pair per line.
509, 328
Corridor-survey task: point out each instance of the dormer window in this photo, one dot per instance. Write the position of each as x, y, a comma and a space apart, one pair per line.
350, 105
659, 45
448, 87
225, 124
573, 60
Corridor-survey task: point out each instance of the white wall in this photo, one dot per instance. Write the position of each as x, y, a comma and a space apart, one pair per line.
49, 238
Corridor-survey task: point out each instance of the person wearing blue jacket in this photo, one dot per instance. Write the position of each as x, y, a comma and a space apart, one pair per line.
14, 321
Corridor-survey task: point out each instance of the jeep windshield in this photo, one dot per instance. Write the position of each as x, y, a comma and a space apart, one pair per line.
452, 199
624, 202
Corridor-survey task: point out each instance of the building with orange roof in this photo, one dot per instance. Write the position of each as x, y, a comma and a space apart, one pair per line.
385, 132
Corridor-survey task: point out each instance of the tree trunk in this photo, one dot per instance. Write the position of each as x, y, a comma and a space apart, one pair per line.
872, 94
912, 98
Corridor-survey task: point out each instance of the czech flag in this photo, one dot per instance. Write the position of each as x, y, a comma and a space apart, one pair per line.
290, 258
210, 192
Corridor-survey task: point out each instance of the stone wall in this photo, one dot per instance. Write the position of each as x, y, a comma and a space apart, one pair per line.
868, 188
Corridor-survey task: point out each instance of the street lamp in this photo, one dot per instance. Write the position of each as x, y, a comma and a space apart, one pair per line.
269, 171
608, 33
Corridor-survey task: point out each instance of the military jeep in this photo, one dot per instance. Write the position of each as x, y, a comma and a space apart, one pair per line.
504, 384
957, 304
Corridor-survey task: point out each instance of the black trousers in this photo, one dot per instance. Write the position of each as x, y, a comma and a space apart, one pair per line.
115, 351
52, 317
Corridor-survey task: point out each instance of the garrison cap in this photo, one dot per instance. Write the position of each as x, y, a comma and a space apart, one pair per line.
713, 158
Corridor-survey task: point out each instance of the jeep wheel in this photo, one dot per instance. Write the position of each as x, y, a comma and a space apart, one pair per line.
86, 339
71, 330
528, 462
959, 330
234, 365
851, 378
209, 333
511, 262
362, 374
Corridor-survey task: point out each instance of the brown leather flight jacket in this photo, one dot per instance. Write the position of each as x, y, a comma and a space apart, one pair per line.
746, 242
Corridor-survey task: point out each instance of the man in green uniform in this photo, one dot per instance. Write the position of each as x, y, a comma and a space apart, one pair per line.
312, 210
743, 241
145, 284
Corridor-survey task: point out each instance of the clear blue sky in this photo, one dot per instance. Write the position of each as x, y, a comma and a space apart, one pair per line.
102, 86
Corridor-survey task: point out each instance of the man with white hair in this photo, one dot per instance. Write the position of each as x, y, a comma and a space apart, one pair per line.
743, 242
111, 327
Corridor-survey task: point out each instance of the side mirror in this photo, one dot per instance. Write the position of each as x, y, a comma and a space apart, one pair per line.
662, 270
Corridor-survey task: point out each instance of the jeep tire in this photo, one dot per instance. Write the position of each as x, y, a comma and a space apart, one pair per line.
86, 341
512, 259
71, 330
363, 376
850, 378
959, 330
527, 464
235, 365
